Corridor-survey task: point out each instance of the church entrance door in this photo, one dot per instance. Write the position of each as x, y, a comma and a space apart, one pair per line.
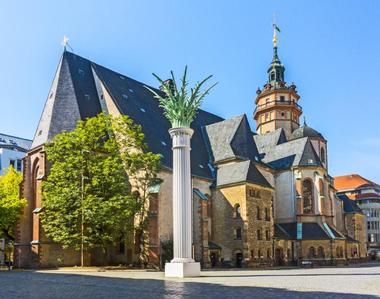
239, 259
279, 257
214, 259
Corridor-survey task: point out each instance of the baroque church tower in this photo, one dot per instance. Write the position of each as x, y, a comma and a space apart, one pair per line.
277, 103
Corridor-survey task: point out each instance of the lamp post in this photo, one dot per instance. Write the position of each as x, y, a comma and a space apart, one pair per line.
180, 107
83, 178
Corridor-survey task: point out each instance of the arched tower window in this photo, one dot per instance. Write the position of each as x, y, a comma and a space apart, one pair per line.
267, 214
307, 196
238, 233
258, 213
323, 155
237, 211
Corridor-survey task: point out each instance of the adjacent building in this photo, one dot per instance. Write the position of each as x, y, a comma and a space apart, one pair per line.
259, 199
366, 194
12, 151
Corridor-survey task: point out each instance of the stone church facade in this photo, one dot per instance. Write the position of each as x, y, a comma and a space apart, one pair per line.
259, 199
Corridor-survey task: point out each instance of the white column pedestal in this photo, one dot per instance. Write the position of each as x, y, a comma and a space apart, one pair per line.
182, 264
182, 269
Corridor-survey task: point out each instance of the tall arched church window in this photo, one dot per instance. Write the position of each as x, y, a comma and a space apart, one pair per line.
321, 188
35, 174
307, 196
323, 155
321, 252
311, 252
237, 211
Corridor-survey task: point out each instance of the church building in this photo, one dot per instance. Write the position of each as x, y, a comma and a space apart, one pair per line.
259, 199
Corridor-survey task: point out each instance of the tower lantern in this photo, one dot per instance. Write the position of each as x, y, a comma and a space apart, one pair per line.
277, 103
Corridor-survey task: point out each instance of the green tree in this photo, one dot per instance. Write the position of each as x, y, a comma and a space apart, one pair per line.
142, 168
11, 204
87, 198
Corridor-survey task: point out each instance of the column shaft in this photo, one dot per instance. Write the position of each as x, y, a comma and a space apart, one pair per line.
182, 195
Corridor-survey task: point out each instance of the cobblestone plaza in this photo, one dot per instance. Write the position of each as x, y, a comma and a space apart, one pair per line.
350, 282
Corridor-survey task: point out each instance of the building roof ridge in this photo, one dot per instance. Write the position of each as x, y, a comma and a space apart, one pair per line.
12, 136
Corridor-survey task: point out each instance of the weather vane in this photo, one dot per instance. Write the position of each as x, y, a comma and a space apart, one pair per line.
275, 30
65, 43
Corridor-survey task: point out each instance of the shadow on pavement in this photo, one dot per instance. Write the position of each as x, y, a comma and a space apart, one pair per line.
54, 285
303, 274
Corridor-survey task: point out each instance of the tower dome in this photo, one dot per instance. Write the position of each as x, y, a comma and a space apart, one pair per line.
306, 131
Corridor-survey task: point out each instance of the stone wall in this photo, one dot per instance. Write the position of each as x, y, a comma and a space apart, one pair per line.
224, 222
331, 251
284, 252
239, 229
259, 227
355, 226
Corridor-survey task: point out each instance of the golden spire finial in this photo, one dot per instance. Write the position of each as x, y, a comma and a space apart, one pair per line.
275, 30
65, 43
275, 40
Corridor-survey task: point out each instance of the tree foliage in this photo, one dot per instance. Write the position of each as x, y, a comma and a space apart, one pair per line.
88, 182
11, 204
180, 105
142, 167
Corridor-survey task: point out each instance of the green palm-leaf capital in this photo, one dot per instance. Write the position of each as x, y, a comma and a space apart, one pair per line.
179, 103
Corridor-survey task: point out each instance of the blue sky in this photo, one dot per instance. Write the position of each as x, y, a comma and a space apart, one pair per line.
330, 50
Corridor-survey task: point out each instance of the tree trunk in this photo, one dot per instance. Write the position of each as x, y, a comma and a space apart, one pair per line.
7, 235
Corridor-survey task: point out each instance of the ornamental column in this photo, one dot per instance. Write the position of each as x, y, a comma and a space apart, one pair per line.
180, 106
182, 264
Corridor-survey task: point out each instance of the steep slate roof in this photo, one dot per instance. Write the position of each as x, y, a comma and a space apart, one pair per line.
282, 163
349, 206
294, 147
298, 152
281, 233
309, 156
74, 96
239, 172
310, 231
269, 140
351, 182
231, 139
13, 142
